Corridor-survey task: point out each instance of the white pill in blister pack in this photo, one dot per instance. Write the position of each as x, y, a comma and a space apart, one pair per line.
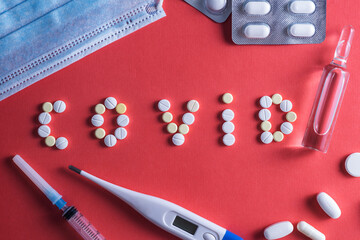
178, 139
256, 30
278, 230
120, 133
215, 5
110, 140
164, 105
228, 139
257, 7
59, 106
302, 7
286, 128
265, 102
44, 118
228, 127
329, 205
61, 143
110, 103
228, 115
310, 231
217, 10
188, 118
44, 131
267, 137
302, 30
97, 120
264, 114
122, 120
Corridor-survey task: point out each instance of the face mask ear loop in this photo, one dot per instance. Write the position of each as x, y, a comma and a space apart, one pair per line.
159, 5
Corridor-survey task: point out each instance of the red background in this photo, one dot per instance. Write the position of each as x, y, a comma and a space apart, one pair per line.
184, 56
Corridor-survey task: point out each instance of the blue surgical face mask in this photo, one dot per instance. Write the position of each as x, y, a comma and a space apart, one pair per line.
40, 37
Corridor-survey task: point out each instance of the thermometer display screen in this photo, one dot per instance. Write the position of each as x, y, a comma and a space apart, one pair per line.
185, 225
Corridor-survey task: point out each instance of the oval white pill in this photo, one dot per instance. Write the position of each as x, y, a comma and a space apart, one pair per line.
61, 143
215, 5
122, 120
259, 31
120, 133
164, 105
257, 7
178, 139
188, 118
286, 106
278, 230
265, 102
352, 164
59, 106
110, 103
286, 128
228, 139
228, 115
310, 231
228, 127
110, 140
267, 137
329, 205
302, 7
264, 114
44, 131
97, 120
193, 106
44, 118
302, 30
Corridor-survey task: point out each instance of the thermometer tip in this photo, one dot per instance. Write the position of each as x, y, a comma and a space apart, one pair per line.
71, 167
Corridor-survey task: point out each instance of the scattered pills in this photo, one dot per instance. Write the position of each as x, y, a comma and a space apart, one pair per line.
183, 129
265, 102
120, 133
167, 117
44, 118
178, 139
352, 164
97, 120
110, 140
267, 137
100, 133
164, 105
276, 98
329, 205
110, 103
265, 126
50, 141
278, 230
302, 30
100, 108
291, 117
257, 7
264, 114
59, 106
302, 7
61, 143
258, 31
120, 108
47, 107
286, 128
171, 128
310, 231
228, 127
228, 139
228, 115
227, 98
122, 120
44, 131
188, 118
193, 106
286, 106
278, 136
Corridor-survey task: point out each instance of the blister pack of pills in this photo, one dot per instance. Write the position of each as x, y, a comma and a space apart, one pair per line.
278, 21
217, 10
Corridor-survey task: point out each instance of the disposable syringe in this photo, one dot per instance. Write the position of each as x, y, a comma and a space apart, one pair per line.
70, 213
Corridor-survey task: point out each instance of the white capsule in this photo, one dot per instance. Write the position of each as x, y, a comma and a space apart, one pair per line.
267, 137
259, 31
310, 231
59, 106
257, 7
265, 101
329, 205
188, 118
44, 118
110, 103
228, 127
278, 230
44, 131
110, 140
352, 164
286, 128
215, 5
286, 106
123, 120
228, 115
97, 120
228, 139
164, 105
264, 114
178, 139
61, 143
120, 133
302, 7
302, 30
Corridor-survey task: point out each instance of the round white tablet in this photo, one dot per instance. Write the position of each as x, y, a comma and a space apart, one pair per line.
193, 106
183, 129
264, 114
178, 139
164, 105
257, 31
352, 164
61, 143
267, 137
265, 102
120, 133
228, 139
228, 127
286, 128
110, 103
215, 5
278, 230
44, 118
286, 106
227, 98
44, 131
110, 140
59, 106
97, 120
122, 120
228, 115
188, 118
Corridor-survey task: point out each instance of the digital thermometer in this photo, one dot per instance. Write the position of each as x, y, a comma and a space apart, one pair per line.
168, 216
